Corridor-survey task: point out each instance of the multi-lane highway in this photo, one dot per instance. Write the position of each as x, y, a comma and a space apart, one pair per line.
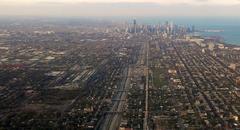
145, 125
112, 119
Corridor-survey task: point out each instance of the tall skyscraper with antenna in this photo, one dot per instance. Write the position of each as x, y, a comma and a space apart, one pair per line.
135, 26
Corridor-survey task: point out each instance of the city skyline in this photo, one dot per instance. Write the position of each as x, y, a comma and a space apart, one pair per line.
120, 64
93, 75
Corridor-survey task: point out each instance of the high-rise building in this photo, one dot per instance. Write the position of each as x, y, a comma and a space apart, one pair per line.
193, 28
171, 27
135, 26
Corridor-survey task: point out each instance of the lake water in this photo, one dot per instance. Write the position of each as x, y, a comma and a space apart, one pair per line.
230, 34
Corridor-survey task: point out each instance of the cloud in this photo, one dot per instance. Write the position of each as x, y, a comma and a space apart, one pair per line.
163, 2
88, 9
202, 0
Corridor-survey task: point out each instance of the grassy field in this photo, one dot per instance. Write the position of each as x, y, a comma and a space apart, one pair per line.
158, 77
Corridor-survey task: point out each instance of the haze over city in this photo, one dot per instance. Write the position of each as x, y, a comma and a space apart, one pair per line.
119, 65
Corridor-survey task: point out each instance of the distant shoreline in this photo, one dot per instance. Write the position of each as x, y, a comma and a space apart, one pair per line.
220, 42
223, 39
224, 42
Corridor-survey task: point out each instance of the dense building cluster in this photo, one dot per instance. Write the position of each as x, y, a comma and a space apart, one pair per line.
107, 76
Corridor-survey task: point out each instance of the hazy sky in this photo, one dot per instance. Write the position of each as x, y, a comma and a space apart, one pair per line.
120, 8
209, 2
